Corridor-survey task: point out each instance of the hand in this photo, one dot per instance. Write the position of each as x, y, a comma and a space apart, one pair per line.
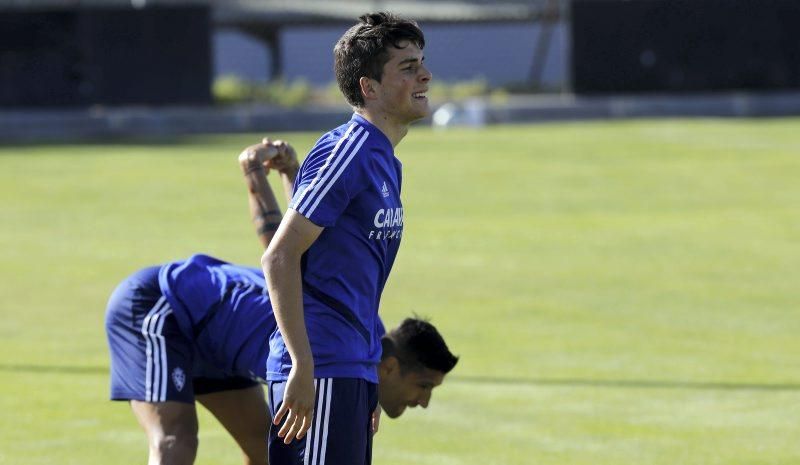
285, 160
257, 156
298, 401
376, 419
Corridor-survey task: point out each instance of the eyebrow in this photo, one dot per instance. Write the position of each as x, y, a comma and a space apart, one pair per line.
411, 60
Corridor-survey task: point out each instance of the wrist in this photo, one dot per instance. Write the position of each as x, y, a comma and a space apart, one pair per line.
291, 167
303, 363
253, 158
291, 170
249, 162
249, 168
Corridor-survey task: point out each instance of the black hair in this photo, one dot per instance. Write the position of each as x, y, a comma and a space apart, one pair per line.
363, 50
416, 343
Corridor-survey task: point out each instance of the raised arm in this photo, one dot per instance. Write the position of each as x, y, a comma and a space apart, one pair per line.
256, 162
287, 165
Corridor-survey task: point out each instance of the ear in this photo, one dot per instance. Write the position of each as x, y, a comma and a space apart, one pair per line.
368, 90
389, 365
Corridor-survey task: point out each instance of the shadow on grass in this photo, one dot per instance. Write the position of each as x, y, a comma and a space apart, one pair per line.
626, 383
558, 382
72, 370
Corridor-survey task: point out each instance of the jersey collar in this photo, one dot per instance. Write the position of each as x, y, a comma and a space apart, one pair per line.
372, 129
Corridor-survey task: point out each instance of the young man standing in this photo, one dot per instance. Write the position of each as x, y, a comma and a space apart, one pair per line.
329, 260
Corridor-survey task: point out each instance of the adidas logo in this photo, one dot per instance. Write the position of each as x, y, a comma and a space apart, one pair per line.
385, 190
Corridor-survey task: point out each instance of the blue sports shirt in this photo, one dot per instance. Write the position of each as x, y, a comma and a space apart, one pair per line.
224, 309
349, 184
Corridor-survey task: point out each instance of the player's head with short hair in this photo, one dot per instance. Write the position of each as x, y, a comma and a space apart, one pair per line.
415, 359
417, 344
364, 50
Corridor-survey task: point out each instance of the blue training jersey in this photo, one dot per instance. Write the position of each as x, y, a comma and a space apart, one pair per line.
349, 184
224, 309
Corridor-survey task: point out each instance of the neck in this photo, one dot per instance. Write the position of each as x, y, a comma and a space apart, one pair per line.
393, 130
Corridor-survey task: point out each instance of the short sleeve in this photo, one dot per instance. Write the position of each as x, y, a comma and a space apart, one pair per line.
330, 179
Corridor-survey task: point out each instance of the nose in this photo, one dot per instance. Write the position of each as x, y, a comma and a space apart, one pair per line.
424, 400
425, 74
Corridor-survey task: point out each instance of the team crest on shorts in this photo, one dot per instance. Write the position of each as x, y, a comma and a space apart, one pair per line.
178, 378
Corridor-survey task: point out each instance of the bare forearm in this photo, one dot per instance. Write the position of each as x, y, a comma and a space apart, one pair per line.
281, 265
264, 209
285, 289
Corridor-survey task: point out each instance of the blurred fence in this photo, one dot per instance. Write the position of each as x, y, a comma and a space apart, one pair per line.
116, 56
126, 122
685, 45
72, 69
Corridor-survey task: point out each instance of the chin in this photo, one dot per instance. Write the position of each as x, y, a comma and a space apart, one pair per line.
422, 115
421, 109
394, 414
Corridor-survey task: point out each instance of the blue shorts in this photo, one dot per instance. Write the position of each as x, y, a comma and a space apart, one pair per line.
341, 431
151, 359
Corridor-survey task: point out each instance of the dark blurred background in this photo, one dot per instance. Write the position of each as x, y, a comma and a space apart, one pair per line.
116, 54
685, 45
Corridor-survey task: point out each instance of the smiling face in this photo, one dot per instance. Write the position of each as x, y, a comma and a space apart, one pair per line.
401, 93
398, 389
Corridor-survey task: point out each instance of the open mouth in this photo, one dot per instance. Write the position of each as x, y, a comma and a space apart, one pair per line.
419, 95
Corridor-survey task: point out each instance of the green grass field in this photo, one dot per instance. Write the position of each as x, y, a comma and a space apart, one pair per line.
619, 293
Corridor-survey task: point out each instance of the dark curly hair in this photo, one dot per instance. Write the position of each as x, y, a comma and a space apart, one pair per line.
363, 50
416, 344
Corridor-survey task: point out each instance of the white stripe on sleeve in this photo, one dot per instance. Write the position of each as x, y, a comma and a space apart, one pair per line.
324, 167
339, 172
329, 173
